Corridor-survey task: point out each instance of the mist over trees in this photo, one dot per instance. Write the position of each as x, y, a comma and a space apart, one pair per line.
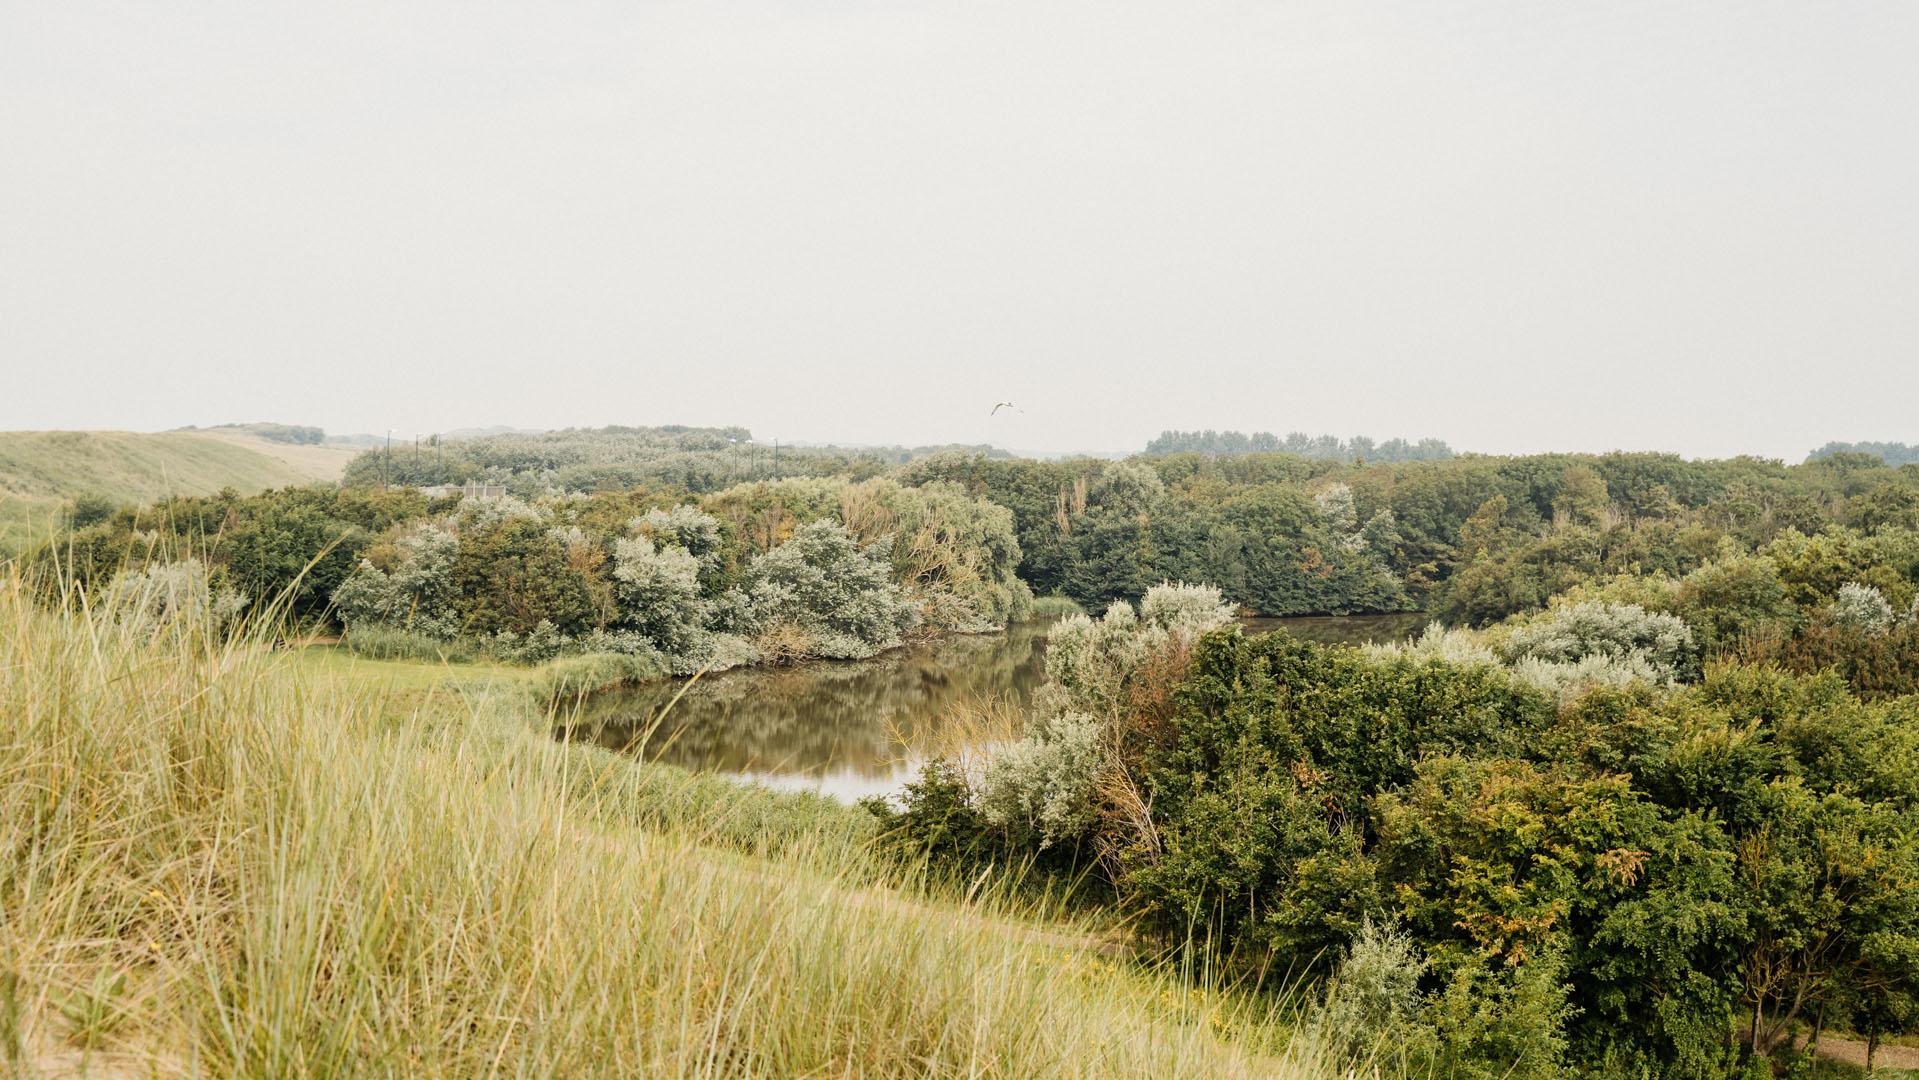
1298, 444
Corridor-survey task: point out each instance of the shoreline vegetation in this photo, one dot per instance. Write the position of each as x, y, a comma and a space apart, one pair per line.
559, 680
1641, 799
220, 854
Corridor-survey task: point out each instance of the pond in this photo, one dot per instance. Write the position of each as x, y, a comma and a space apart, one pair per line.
847, 729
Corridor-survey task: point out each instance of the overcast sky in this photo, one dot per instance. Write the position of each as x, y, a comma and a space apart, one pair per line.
1513, 225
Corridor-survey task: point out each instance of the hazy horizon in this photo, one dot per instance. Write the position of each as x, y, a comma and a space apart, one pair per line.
405, 438
1511, 227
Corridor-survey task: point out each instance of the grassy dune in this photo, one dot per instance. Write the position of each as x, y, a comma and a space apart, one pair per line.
326, 461
220, 861
41, 470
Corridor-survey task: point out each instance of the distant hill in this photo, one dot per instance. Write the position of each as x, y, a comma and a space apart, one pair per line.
271, 432
312, 461
42, 471
1892, 453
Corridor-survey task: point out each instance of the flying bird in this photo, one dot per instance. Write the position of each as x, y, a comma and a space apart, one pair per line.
1005, 405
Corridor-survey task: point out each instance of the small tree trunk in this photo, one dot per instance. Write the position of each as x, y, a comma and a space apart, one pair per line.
1872, 1048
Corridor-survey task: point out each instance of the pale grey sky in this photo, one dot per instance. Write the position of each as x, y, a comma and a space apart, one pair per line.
1513, 225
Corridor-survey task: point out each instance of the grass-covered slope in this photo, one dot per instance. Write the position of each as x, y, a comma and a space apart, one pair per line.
40, 471
221, 861
312, 461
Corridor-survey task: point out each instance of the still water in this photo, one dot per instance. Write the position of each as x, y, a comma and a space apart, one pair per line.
846, 729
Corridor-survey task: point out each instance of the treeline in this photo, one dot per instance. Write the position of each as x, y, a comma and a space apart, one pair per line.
1472, 539
1890, 453
1298, 444
692, 459
765, 572
1288, 542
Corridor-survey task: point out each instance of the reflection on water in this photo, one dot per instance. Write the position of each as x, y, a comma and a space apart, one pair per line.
840, 728
845, 729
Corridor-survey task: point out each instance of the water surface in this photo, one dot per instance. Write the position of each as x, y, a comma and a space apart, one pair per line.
842, 728
847, 729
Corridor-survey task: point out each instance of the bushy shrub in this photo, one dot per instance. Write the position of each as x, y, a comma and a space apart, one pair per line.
1087, 660
937, 817
1127, 487
837, 594
695, 532
658, 592
1373, 1003
1052, 787
1091, 663
954, 555
1186, 610
1736, 595
1502, 1023
163, 595
542, 643
1874, 665
1653, 591
1567, 679
1257, 860
1862, 608
1564, 679
731, 651
685, 526
86, 510
1262, 796
1335, 502
1641, 639
513, 573
417, 594
1341, 515
1044, 785
486, 513
764, 514
1453, 645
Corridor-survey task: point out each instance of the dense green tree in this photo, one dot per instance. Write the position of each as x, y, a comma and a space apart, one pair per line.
294, 550
838, 596
513, 575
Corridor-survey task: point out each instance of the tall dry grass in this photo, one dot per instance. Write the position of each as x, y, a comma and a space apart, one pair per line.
215, 861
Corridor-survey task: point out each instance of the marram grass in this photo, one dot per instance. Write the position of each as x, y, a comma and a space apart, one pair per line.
218, 861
